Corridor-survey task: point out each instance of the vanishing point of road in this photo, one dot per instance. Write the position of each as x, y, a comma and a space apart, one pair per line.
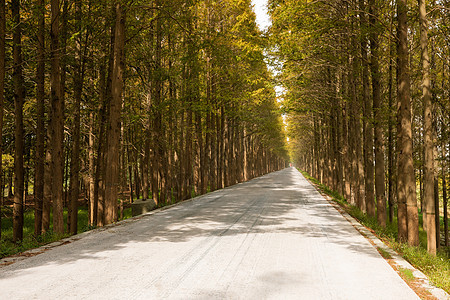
274, 237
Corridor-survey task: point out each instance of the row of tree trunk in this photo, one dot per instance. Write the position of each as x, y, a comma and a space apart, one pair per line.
149, 100
352, 118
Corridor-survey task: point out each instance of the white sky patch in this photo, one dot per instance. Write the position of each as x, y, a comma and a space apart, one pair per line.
279, 90
262, 17
263, 21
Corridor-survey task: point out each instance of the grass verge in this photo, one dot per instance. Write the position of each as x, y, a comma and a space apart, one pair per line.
436, 268
30, 241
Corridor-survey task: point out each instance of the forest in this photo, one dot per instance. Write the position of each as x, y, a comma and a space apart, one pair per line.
367, 102
106, 102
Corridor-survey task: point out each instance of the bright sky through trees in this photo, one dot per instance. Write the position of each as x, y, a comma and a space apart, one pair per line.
262, 18
263, 21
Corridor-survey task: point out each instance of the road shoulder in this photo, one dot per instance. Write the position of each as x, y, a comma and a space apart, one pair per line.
420, 284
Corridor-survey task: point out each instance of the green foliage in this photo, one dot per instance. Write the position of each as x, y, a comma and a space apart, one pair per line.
407, 273
384, 253
7, 247
7, 162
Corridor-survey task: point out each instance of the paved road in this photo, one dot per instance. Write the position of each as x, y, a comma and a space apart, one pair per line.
274, 237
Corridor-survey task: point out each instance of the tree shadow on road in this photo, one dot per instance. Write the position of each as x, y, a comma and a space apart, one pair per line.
271, 204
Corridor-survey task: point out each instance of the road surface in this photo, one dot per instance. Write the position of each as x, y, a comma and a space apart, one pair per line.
274, 237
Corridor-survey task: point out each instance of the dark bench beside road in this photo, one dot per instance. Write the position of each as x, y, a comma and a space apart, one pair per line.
274, 237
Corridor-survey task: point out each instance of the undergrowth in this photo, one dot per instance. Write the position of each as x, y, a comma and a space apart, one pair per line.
30, 241
436, 268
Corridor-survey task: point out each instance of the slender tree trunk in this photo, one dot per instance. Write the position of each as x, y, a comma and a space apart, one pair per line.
91, 171
429, 171
345, 153
19, 97
220, 147
377, 114
436, 204
146, 155
405, 177
100, 163
355, 134
444, 191
78, 90
157, 115
47, 187
137, 178
130, 175
40, 130
368, 121
113, 132
145, 162
338, 136
390, 137
158, 98
201, 156
2, 96
56, 126
65, 166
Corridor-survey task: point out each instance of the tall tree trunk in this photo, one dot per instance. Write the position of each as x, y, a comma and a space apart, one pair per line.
40, 130
355, 134
130, 174
435, 142
19, 97
78, 90
113, 130
56, 126
345, 151
390, 133
444, 191
2, 96
429, 171
406, 179
367, 112
91, 159
63, 67
145, 162
99, 191
377, 114
201, 153
158, 196
220, 139
145, 156
47, 186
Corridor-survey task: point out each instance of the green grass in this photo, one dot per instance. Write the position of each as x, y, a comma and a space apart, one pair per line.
7, 247
407, 273
437, 268
384, 253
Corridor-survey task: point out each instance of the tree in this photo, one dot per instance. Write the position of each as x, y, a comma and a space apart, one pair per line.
2, 96
57, 122
78, 90
368, 118
198, 104
113, 130
19, 97
429, 168
408, 219
40, 119
377, 113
